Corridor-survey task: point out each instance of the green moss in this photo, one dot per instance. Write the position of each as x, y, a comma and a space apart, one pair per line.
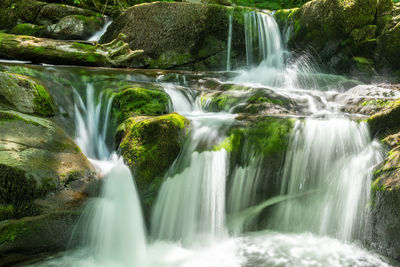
43, 101
231, 143
6, 212
170, 59
84, 47
26, 29
376, 103
151, 144
38, 50
139, 101
9, 116
12, 231
271, 5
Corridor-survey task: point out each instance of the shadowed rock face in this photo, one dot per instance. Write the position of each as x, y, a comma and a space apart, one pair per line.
181, 35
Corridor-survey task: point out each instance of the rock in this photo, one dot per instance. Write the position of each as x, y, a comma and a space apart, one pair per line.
366, 99
386, 121
11, 11
27, 29
385, 207
113, 54
351, 26
36, 157
26, 238
25, 95
247, 100
74, 27
389, 47
182, 35
137, 101
151, 144
52, 13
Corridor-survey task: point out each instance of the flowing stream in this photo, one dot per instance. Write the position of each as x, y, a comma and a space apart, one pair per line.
206, 206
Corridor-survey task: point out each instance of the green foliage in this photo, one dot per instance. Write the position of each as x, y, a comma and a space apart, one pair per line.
270, 4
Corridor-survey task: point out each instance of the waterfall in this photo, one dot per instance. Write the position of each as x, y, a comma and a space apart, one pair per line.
229, 45
112, 225
335, 157
191, 201
262, 34
96, 37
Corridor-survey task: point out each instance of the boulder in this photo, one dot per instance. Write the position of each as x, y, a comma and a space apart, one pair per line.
52, 13
74, 27
387, 121
149, 146
182, 35
136, 101
350, 26
385, 206
36, 157
25, 95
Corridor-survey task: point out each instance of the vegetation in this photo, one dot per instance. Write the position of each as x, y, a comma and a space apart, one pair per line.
270, 4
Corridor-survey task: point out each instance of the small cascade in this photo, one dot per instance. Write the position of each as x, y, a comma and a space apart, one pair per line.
96, 37
91, 133
229, 45
245, 181
191, 201
114, 232
333, 157
263, 36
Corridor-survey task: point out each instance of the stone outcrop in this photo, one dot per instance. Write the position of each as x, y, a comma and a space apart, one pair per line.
182, 35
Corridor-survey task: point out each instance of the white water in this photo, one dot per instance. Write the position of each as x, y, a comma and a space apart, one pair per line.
96, 37
320, 211
229, 45
334, 157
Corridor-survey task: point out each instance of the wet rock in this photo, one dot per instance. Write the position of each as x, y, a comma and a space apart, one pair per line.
36, 158
135, 101
25, 95
387, 121
74, 27
366, 99
182, 35
385, 206
149, 146
52, 13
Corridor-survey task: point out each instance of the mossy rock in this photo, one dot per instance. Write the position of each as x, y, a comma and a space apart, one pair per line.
74, 27
136, 101
27, 29
386, 121
389, 47
182, 35
385, 206
52, 13
36, 157
31, 236
26, 95
151, 144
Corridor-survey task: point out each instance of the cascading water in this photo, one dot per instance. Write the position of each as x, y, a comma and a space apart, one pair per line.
111, 230
333, 157
229, 45
319, 212
96, 37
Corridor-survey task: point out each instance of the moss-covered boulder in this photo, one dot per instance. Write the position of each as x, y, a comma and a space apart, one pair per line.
25, 95
36, 157
149, 146
26, 238
337, 30
136, 101
389, 47
53, 13
386, 121
385, 206
28, 29
182, 35
74, 27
